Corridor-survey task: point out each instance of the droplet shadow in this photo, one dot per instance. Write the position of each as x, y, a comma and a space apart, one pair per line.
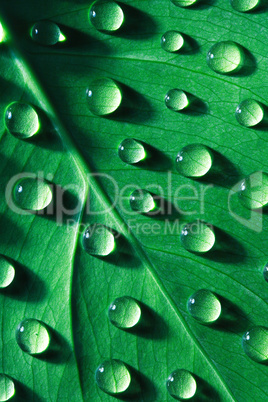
155, 159
141, 387
249, 65
165, 210
196, 107
24, 393
190, 45
12, 232
232, 318
205, 392
202, 5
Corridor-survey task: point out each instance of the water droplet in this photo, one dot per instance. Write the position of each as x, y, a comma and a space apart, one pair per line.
131, 151
255, 344
184, 3
254, 190
176, 100
194, 160
113, 377
47, 33
181, 384
198, 237
172, 41
265, 272
7, 272
249, 113
225, 57
103, 96
7, 388
245, 5
124, 312
32, 194
32, 336
204, 306
2, 33
98, 240
142, 201
21, 120
106, 15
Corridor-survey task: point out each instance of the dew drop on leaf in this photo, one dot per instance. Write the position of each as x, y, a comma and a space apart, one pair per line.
225, 57
176, 100
181, 384
32, 336
7, 272
113, 377
47, 33
142, 201
255, 343
7, 388
198, 237
21, 120
172, 41
131, 151
204, 306
32, 194
2, 33
103, 96
245, 5
124, 312
254, 190
106, 15
184, 3
249, 113
98, 240
194, 160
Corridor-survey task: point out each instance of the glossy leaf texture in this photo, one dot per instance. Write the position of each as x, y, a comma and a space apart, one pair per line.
70, 290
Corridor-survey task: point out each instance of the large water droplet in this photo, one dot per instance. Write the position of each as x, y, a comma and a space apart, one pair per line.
245, 5
32, 336
184, 3
7, 388
103, 96
172, 41
32, 194
113, 377
255, 344
181, 384
47, 33
198, 237
124, 312
7, 272
98, 240
176, 100
21, 120
254, 191
142, 201
106, 15
131, 151
249, 113
225, 57
204, 306
194, 160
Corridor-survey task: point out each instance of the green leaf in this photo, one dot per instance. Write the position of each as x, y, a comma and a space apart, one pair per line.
70, 290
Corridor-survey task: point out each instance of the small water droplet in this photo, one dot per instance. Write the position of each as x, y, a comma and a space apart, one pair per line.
172, 41
142, 201
204, 306
249, 113
32, 336
32, 194
113, 377
245, 5
98, 240
2, 33
21, 120
194, 160
255, 344
131, 151
7, 272
225, 57
254, 190
103, 96
176, 100
181, 384
7, 388
265, 272
184, 3
106, 15
47, 33
198, 237
124, 312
